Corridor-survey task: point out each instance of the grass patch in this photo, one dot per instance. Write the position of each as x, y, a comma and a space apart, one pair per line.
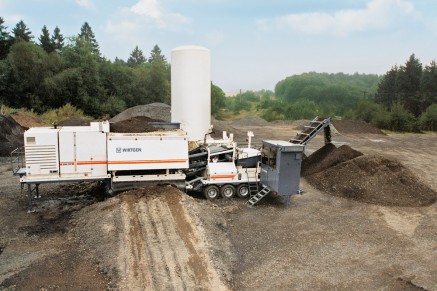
65, 112
5, 110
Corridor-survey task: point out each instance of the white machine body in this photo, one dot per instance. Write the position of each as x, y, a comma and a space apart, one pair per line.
147, 151
74, 153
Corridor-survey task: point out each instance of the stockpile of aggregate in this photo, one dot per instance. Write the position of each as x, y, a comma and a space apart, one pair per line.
134, 124
326, 157
74, 122
11, 135
355, 127
375, 179
251, 120
157, 111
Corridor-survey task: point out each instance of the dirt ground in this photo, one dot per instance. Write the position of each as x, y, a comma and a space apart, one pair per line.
160, 238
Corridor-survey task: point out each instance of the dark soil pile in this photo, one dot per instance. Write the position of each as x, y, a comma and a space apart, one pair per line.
11, 135
134, 124
251, 120
326, 157
74, 122
374, 179
355, 127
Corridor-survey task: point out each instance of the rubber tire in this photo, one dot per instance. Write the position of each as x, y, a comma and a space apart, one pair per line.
211, 192
228, 191
243, 191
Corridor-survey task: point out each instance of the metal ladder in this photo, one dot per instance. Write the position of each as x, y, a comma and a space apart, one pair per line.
258, 196
311, 130
253, 188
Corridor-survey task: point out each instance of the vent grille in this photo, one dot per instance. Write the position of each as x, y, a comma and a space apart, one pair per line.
44, 156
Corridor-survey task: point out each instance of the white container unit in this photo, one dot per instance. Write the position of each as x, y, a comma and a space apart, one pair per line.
66, 153
41, 153
82, 153
147, 151
191, 90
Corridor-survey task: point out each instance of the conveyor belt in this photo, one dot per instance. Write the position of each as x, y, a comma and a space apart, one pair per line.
311, 130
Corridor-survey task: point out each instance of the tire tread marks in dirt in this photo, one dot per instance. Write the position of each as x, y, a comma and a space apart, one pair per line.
159, 248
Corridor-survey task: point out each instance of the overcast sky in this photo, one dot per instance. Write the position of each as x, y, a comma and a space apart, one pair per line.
254, 43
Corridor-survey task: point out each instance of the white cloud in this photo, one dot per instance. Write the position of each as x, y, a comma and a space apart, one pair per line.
85, 4
151, 11
148, 8
142, 22
376, 14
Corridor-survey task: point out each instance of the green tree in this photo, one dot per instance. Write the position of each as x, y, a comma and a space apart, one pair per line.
136, 57
367, 110
334, 94
428, 119
87, 34
218, 99
408, 85
428, 85
6, 83
113, 105
5, 40
57, 39
158, 80
79, 54
117, 80
21, 32
387, 91
45, 40
27, 65
400, 119
156, 55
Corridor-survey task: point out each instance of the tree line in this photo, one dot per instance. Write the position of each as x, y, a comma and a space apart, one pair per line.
51, 72
403, 99
406, 98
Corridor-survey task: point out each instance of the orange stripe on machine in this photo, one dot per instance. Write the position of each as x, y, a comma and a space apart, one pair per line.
223, 176
134, 162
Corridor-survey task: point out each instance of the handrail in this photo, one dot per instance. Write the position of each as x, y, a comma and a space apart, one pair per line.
17, 160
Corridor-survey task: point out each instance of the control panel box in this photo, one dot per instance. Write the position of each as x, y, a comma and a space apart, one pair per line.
281, 163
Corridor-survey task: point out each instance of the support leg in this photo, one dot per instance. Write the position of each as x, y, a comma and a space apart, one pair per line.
29, 198
37, 191
287, 201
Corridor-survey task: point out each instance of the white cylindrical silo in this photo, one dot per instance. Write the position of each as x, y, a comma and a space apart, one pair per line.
191, 90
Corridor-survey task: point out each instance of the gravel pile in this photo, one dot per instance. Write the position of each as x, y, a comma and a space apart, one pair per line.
134, 124
251, 120
157, 111
326, 157
372, 179
355, 127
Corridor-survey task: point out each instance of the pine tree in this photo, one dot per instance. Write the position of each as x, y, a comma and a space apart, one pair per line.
5, 40
156, 55
57, 39
428, 85
136, 57
387, 88
408, 83
45, 41
159, 86
21, 32
87, 34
